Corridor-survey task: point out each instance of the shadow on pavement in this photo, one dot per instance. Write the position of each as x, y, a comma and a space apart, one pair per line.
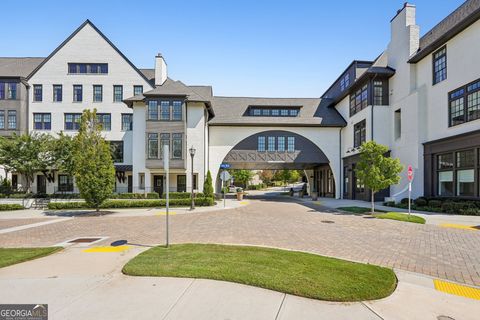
77, 213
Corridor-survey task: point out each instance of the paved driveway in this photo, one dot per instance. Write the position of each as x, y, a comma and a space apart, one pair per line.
445, 253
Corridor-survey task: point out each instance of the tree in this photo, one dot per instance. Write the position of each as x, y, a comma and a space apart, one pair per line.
266, 176
208, 186
92, 161
294, 176
26, 154
63, 150
376, 170
242, 176
285, 176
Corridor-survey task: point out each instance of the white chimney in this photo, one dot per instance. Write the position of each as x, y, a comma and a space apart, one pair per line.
160, 70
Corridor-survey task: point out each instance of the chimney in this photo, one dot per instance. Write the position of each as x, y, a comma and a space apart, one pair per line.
160, 70
404, 30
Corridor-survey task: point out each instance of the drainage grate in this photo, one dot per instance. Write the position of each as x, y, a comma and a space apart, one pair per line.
328, 221
84, 240
444, 318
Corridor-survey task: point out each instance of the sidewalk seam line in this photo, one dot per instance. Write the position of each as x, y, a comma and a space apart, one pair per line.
281, 305
374, 312
178, 300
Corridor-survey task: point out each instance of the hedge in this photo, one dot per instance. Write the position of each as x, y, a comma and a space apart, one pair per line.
182, 195
132, 204
150, 195
441, 204
10, 206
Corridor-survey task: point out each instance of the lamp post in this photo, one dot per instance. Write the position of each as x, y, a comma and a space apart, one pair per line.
192, 154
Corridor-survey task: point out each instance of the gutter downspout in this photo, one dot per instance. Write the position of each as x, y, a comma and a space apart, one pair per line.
340, 173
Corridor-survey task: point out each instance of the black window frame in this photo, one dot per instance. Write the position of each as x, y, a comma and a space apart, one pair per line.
443, 71
117, 150
115, 97
94, 94
359, 133
182, 187
37, 93
57, 96
101, 120
127, 125
12, 114
461, 96
67, 186
75, 121
87, 68
135, 87
45, 125
75, 96
177, 137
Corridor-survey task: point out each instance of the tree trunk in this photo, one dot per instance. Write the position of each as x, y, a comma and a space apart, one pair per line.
373, 202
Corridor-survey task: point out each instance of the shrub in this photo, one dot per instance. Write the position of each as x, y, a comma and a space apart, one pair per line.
448, 207
10, 206
470, 212
405, 201
153, 195
420, 202
182, 195
389, 203
208, 185
435, 203
128, 196
129, 203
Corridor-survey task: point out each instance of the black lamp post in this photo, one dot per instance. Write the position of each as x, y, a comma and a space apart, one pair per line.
192, 154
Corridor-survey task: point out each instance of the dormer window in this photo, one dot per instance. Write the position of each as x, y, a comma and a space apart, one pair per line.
345, 82
264, 111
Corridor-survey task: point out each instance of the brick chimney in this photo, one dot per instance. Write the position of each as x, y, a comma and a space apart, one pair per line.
160, 70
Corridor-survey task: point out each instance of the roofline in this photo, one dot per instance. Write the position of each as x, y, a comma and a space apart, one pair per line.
464, 24
236, 124
72, 35
343, 72
239, 97
460, 135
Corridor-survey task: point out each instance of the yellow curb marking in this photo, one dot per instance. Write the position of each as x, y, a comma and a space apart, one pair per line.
243, 202
458, 226
107, 249
456, 289
317, 202
164, 213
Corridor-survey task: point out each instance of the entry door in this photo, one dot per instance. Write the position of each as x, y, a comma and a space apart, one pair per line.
130, 183
158, 184
41, 184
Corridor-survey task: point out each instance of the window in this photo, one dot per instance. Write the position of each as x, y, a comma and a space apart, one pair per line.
281, 144
445, 183
293, 112
42, 121
291, 144
2, 90
265, 112
261, 144
57, 93
97, 93
440, 65
256, 112
181, 183
164, 110
275, 112
359, 100
164, 141
177, 146
456, 173
37, 92
141, 178
72, 121
105, 121
153, 146
127, 121
87, 68
398, 123
116, 149
466, 182
117, 93
11, 90
378, 93
177, 110
269, 112
153, 110
77, 93
359, 134
2, 119
464, 104
284, 112
12, 119
345, 82
65, 183
137, 90
271, 144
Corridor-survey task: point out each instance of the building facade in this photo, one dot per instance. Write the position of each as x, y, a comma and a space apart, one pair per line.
419, 97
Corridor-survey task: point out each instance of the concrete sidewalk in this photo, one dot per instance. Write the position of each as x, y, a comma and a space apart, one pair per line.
436, 218
80, 285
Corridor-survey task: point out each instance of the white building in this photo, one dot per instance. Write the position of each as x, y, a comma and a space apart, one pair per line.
420, 97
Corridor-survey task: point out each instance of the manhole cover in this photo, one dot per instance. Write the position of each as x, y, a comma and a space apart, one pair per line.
445, 318
83, 240
327, 221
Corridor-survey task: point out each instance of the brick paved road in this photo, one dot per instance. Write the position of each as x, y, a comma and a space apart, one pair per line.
445, 253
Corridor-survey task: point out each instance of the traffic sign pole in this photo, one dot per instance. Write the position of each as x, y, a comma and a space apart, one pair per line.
224, 176
410, 179
167, 182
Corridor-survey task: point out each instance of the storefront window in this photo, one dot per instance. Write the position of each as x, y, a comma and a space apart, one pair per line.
465, 182
445, 183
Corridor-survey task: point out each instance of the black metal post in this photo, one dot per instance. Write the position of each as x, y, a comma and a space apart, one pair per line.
192, 205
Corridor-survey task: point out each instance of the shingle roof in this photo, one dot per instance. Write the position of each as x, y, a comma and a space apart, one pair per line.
313, 112
149, 74
454, 23
18, 67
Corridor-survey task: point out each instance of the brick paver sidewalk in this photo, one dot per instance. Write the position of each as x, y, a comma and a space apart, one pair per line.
440, 252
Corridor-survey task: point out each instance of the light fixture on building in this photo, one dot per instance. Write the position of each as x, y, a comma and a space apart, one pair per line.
192, 154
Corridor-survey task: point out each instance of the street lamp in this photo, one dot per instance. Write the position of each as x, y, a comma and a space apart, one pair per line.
192, 154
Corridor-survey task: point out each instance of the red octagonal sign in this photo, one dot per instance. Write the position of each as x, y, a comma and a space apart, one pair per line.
410, 173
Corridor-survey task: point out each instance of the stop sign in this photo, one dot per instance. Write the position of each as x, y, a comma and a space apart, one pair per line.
410, 173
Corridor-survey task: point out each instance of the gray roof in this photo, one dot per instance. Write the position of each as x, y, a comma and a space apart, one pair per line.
454, 23
18, 67
149, 74
314, 112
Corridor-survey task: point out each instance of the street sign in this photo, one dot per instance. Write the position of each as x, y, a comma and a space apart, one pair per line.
225, 166
224, 175
410, 173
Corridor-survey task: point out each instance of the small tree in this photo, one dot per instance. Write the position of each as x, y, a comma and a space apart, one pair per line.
63, 150
242, 176
285, 176
376, 170
208, 186
93, 165
266, 176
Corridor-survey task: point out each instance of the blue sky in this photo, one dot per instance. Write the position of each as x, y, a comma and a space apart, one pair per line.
242, 48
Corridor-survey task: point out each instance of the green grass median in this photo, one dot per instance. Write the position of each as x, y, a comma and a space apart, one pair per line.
380, 214
302, 274
9, 256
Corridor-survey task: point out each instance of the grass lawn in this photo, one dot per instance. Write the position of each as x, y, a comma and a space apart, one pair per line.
401, 217
9, 256
380, 214
291, 272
